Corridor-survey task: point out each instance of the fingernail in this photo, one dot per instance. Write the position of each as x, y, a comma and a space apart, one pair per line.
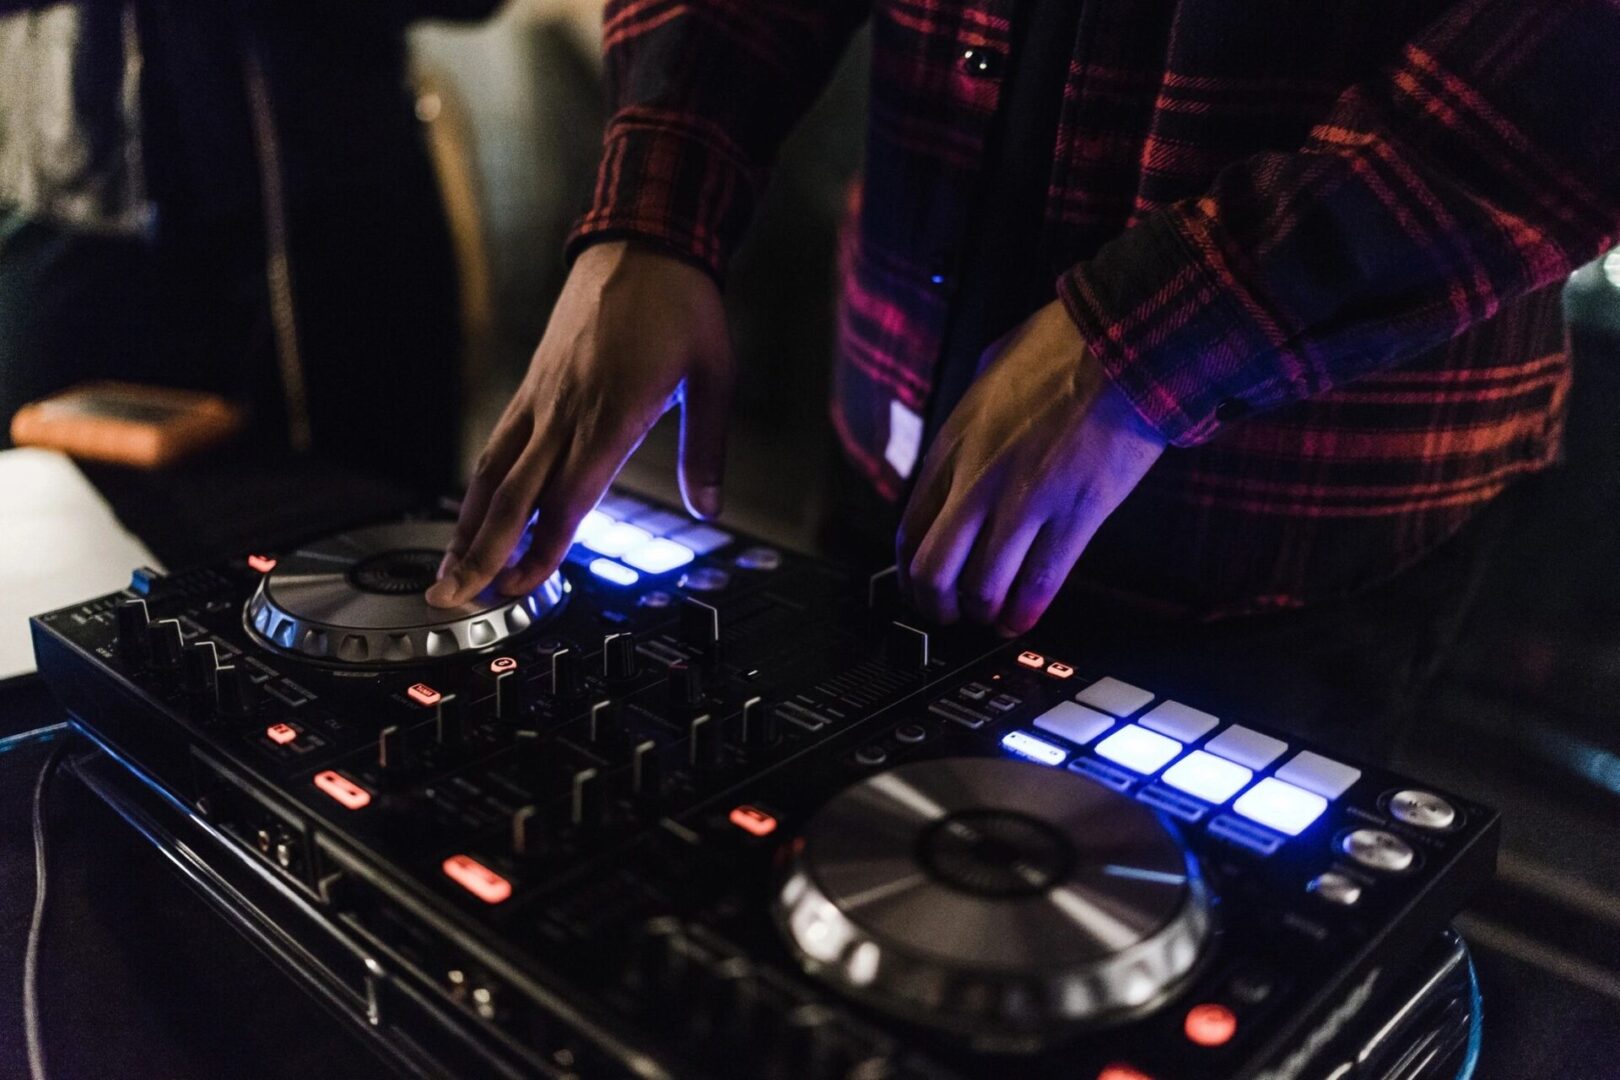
1006, 631
443, 593
445, 564
706, 500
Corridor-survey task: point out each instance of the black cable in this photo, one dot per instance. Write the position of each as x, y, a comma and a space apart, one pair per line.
36, 924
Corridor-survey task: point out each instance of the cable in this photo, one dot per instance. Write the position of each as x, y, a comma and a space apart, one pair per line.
36, 923
39, 734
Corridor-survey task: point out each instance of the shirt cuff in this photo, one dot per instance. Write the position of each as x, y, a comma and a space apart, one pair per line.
674, 185
1176, 331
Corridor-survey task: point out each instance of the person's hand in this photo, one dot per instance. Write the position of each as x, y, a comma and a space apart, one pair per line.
633, 334
1040, 450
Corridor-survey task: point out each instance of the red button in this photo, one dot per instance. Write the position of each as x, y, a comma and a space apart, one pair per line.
1059, 670
1210, 1025
281, 734
1032, 659
344, 790
502, 664
477, 878
753, 820
423, 694
262, 563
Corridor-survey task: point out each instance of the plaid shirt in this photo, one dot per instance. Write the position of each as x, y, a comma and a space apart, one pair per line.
1318, 245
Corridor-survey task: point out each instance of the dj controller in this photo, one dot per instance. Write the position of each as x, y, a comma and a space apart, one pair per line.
701, 807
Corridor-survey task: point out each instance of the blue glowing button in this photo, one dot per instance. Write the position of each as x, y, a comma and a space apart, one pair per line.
1281, 806
1313, 772
617, 539
615, 573
1139, 749
1179, 721
1074, 722
1246, 746
595, 524
621, 507
1027, 745
1208, 777
659, 556
658, 521
1114, 696
702, 538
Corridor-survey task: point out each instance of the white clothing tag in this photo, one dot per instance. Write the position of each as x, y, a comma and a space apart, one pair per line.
905, 438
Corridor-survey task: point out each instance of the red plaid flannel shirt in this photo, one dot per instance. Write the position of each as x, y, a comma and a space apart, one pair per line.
1318, 245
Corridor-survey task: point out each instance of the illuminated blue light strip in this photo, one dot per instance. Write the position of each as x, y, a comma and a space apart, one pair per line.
1026, 745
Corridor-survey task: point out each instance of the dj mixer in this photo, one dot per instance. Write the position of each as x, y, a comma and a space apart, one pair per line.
701, 807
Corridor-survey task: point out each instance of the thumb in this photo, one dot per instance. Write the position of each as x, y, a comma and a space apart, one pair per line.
705, 414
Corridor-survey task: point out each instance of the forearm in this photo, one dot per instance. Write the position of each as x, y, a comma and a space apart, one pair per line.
701, 97
1484, 166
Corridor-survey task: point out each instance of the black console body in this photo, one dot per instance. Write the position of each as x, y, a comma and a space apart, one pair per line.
698, 818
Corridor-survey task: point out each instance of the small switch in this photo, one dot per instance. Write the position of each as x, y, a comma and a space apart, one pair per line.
281, 734
261, 563
1032, 659
1210, 1025
423, 695
348, 793
477, 879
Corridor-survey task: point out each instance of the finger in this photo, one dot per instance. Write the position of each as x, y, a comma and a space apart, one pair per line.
705, 415
506, 442
926, 502
574, 489
994, 562
1046, 567
940, 557
509, 508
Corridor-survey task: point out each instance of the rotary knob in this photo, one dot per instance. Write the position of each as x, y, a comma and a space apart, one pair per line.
1098, 908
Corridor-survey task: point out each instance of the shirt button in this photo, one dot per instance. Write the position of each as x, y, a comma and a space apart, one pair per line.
983, 63
1231, 409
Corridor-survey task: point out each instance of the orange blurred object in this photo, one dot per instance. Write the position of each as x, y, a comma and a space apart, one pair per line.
146, 427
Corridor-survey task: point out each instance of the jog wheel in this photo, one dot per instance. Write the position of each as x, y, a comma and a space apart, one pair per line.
356, 598
1000, 900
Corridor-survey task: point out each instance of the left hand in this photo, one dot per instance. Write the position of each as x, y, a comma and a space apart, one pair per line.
1039, 452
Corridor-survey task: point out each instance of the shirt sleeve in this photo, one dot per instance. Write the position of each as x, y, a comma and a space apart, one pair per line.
1484, 165
701, 94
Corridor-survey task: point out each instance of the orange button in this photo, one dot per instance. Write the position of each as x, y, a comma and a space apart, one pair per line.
502, 664
262, 563
423, 694
281, 734
1032, 659
477, 879
1059, 670
1210, 1025
1117, 1071
344, 790
753, 820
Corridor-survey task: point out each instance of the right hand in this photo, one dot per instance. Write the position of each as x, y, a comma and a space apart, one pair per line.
633, 334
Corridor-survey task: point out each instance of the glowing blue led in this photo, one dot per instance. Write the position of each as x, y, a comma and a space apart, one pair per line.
614, 573
1207, 777
659, 556
594, 525
1139, 749
1280, 805
1026, 745
617, 539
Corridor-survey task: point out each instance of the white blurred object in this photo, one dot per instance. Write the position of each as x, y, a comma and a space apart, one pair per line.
59, 543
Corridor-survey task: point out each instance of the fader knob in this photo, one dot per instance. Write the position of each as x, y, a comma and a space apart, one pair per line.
167, 642
619, 659
133, 626
646, 774
758, 726
567, 678
199, 669
234, 690
585, 799
685, 687
703, 742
